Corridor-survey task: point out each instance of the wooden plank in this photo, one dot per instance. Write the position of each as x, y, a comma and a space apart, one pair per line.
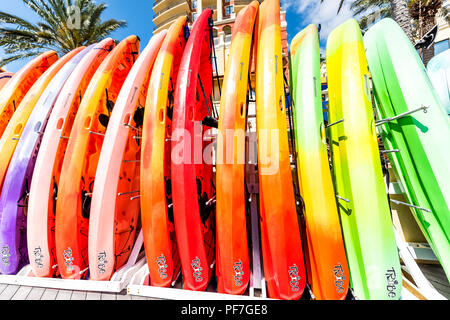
123, 296
49, 294
22, 293
78, 295
412, 289
64, 295
2, 287
9, 292
35, 293
435, 273
138, 298
93, 296
108, 296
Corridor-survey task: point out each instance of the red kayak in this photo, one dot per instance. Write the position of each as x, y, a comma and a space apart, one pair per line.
192, 186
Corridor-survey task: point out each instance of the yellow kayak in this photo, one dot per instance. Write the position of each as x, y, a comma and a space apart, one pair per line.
363, 204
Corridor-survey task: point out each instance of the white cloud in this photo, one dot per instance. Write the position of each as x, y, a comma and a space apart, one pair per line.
312, 11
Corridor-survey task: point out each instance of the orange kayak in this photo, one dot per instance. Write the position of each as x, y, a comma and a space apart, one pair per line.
115, 203
284, 267
44, 185
158, 229
4, 78
80, 161
233, 264
329, 275
12, 94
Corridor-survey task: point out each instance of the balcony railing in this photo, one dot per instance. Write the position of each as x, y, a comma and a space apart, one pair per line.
173, 5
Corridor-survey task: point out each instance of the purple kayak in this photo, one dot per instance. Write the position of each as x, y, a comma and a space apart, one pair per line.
14, 195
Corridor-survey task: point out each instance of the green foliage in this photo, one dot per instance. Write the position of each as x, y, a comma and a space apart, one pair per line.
64, 25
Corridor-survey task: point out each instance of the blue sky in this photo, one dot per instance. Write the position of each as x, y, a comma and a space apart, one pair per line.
301, 13
138, 14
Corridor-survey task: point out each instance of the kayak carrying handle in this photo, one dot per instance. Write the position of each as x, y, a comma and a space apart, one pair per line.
334, 123
130, 126
97, 133
409, 205
390, 151
383, 121
129, 192
346, 200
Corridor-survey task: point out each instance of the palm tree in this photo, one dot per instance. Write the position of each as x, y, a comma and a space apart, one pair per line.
424, 13
64, 26
399, 11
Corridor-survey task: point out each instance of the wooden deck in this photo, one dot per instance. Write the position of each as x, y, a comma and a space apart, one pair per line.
15, 292
434, 273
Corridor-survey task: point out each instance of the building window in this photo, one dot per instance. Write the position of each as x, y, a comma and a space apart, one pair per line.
441, 46
229, 9
194, 4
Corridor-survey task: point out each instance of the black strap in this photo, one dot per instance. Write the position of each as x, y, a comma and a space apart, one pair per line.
204, 94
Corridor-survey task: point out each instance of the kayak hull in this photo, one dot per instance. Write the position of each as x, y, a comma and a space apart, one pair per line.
81, 158
284, 268
157, 219
191, 175
45, 181
114, 211
233, 264
329, 275
366, 220
421, 165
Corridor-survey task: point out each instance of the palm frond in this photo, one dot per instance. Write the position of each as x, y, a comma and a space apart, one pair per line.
55, 31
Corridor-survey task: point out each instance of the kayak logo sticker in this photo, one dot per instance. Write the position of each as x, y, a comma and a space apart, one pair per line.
392, 283
340, 278
197, 269
38, 257
295, 278
238, 273
68, 257
5, 255
162, 266
101, 262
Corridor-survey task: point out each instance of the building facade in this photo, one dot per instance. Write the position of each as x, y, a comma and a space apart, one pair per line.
442, 41
224, 15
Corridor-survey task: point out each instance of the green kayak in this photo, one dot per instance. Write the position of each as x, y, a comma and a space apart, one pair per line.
363, 203
421, 138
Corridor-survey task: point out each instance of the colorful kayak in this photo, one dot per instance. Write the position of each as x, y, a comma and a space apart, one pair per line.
14, 128
12, 94
80, 161
47, 170
192, 186
4, 78
115, 205
422, 162
363, 204
157, 220
284, 267
329, 275
14, 197
233, 263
